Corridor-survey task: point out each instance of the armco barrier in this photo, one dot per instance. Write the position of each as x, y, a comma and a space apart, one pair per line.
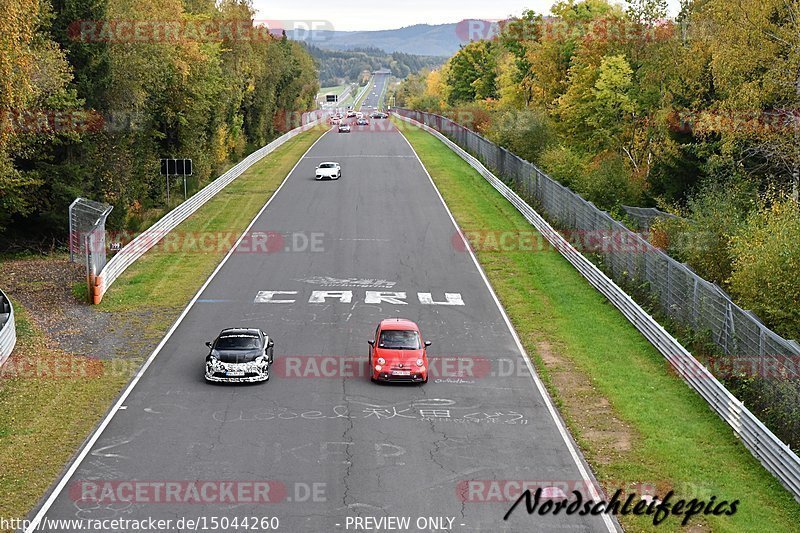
8, 329
150, 237
773, 454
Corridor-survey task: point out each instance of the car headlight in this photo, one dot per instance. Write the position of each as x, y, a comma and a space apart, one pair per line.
378, 368
262, 361
214, 363
381, 361
420, 362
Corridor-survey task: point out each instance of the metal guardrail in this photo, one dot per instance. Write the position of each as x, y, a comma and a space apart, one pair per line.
773, 453
8, 328
150, 237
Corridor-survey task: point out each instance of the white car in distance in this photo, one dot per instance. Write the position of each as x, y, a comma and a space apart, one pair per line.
328, 170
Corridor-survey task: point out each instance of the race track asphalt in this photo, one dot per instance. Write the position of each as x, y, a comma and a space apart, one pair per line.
372, 98
367, 450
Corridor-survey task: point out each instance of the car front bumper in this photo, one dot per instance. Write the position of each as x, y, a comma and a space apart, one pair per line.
418, 376
250, 376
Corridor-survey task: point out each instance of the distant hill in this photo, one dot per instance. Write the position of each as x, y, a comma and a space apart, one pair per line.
441, 40
346, 66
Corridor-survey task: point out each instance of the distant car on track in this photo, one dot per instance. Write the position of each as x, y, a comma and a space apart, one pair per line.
362, 122
397, 352
239, 355
344, 128
328, 170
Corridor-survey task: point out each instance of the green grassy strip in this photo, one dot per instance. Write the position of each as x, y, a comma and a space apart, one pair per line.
45, 418
337, 89
676, 441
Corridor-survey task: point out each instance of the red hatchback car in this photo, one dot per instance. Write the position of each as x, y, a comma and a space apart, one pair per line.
397, 353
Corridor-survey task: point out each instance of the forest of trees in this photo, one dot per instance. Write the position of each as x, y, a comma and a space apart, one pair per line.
94, 92
696, 116
345, 66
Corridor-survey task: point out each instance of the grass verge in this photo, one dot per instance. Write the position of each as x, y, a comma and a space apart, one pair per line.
50, 400
637, 423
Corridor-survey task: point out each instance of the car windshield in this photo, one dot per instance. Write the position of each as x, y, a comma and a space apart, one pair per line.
327, 165
237, 342
399, 339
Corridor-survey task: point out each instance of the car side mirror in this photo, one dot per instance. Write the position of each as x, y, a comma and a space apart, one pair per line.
208, 344
271, 343
427, 343
371, 342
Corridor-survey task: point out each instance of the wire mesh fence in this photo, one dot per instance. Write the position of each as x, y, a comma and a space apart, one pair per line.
85, 217
87, 235
644, 217
757, 354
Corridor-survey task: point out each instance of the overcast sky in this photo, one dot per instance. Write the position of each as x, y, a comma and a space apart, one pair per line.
381, 15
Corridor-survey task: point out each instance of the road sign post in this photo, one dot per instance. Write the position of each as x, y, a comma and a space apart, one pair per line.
176, 167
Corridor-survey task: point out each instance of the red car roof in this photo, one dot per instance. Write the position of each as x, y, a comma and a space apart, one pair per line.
398, 323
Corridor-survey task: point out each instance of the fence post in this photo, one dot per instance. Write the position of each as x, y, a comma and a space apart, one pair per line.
90, 273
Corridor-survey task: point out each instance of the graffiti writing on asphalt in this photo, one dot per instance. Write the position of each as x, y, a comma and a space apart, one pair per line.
438, 409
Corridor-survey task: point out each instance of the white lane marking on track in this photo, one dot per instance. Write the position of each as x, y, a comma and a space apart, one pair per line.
263, 297
370, 240
542, 391
34, 523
